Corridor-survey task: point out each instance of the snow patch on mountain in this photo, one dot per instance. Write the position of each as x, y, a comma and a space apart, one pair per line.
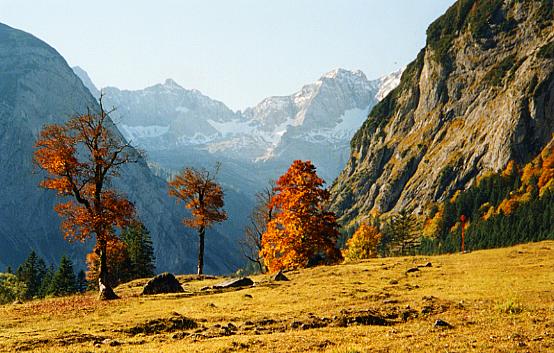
388, 83
133, 133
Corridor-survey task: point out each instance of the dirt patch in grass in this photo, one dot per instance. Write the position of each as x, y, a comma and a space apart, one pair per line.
176, 322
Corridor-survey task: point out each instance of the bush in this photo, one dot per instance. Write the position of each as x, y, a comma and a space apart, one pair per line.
11, 288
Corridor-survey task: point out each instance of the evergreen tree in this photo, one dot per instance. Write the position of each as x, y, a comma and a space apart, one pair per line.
31, 272
64, 281
402, 232
81, 282
9, 270
140, 250
47, 281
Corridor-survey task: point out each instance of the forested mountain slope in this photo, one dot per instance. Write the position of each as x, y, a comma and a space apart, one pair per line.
477, 96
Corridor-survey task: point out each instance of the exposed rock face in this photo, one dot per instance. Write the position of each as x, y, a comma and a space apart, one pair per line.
161, 284
479, 94
37, 87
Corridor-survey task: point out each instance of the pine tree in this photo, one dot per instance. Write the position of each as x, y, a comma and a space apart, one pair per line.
31, 272
81, 282
140, 250
47, 281
64, 281
402, 229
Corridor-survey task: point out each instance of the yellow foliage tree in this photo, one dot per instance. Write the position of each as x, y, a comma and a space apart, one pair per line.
363, 244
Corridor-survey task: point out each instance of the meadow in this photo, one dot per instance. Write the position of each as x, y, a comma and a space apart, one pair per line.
498, 300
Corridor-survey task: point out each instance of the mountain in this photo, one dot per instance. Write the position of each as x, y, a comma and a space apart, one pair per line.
481, 93
178, 127
317, 123
37, 87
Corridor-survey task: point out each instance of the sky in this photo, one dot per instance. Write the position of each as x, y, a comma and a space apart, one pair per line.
235, 51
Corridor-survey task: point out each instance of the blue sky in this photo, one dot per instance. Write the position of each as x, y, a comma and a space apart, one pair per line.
236, 51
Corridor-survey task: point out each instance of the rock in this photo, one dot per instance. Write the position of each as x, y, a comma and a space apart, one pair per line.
106, 292
234, 283
249, 296
111, 343
295, 324
17, 302
162, 283
413, 269
280, 276
428, 264
442, 323
393, 281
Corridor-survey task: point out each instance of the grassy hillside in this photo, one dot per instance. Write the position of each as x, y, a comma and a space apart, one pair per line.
497, 300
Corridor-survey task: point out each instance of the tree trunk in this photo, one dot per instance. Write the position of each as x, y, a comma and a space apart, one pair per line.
201, 235
105, 291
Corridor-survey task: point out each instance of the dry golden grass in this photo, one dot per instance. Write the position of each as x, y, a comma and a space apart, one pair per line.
498, 300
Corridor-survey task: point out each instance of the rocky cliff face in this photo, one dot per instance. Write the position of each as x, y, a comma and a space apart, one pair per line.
479, 94
37, 87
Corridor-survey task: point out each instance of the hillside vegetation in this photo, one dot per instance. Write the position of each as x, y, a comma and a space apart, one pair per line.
496, 300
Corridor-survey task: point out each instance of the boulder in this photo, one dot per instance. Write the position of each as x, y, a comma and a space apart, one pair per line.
106, 292
280, 276
234, 283
162, 283
442, 323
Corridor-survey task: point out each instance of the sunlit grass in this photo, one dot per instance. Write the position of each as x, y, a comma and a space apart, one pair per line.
497, 300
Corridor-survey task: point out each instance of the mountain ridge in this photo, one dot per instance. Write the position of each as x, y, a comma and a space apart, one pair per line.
435, 133
37, 87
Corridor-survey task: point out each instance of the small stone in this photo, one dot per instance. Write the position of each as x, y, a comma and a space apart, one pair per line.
111, 343
249, 296
393, 281
232, 326
442, 323
413, 269
280, 277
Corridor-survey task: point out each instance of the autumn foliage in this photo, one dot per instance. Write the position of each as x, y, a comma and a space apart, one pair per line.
363, 243
80, 157
203, 196
301, 229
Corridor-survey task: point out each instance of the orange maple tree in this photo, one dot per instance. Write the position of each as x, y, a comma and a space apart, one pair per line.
80, 157
117, 262
202, 195
301, 229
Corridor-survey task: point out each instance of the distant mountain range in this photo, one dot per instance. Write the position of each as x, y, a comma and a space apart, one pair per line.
316, 123
179, 127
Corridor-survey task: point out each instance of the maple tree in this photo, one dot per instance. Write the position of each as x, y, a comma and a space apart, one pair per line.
118, 263
301, 229
80, 157
200, 192
363, 243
